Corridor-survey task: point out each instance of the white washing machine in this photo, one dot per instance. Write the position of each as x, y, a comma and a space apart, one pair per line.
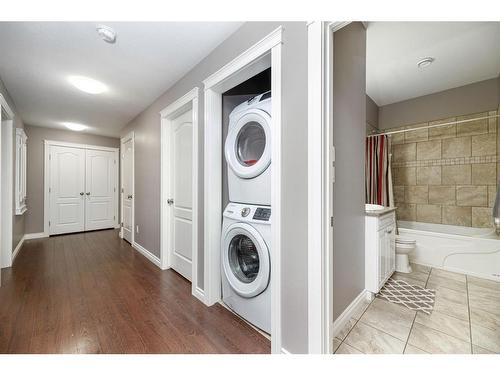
248, 151
246, 263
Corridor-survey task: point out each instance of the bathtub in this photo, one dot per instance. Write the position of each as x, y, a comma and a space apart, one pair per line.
472, 251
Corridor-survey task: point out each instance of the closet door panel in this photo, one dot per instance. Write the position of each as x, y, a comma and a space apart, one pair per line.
100, 192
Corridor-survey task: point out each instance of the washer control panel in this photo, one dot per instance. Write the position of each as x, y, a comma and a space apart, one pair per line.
245, 211
263, 214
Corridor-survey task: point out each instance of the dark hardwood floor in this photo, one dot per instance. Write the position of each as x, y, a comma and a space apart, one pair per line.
92, 293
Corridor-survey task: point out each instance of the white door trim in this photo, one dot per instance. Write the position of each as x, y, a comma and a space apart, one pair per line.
215, 85
126, 138
321, 156
168, 114
7, 190
46, 177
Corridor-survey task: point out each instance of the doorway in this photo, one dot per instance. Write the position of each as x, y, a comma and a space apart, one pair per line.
127, 189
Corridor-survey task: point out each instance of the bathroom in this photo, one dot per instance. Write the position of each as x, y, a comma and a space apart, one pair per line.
432, 170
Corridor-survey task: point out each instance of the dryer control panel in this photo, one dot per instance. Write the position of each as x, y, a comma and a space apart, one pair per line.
263, 214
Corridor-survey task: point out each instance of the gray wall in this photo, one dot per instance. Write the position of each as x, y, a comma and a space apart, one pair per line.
476, 97
294, 165
18, 221
35, 164
371, 113
349, 119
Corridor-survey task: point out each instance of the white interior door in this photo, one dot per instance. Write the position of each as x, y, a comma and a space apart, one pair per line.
127, 189
67, 189
100, 189
180, 200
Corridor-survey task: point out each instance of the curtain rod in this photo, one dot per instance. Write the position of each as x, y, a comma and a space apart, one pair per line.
431, 126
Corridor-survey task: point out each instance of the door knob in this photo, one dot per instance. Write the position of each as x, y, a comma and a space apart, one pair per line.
88, 193
82, 193
170, 201
129, 196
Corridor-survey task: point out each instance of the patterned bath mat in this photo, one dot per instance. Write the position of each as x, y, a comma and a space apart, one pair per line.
411, 296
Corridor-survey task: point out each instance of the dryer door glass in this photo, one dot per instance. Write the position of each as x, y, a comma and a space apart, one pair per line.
250, 143
243, 258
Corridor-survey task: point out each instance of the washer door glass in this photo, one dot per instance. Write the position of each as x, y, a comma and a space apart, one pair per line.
250, 143
243, 258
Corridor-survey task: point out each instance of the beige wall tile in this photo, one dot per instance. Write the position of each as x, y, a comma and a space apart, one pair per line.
416, 194
399, 194
456, 147
472, 196
429, 150
404, 152
397, 138
492, 193
442, 195
472, 127
485, 144
442, 132
406, 212
482, 217
461, 216
417, 135
405, 176
484, 174
429, 213
456, 174
429, 175
492, 122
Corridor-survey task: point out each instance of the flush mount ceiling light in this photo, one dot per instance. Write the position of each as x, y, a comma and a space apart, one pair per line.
88, 85
106, 33
425, 62
74, 126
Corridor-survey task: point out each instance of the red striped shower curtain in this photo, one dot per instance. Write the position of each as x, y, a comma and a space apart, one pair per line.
378, 171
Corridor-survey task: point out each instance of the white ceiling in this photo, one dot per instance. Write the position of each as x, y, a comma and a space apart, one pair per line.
464, 52
36, 58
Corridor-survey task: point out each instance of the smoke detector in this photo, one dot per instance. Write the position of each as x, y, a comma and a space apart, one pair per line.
425, 62
106, 33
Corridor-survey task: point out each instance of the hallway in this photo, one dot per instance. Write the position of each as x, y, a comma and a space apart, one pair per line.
92, 293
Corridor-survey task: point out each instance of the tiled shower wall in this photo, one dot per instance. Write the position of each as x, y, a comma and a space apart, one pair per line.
448, 174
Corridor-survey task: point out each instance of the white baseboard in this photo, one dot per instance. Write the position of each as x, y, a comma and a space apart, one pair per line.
32, 236
347, 314
199, 293
16, 251
284, 351
151, 257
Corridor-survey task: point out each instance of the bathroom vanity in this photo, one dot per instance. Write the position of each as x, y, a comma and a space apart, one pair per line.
380, 246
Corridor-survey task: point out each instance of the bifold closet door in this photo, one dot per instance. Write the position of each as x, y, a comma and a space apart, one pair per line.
100, 190
67, 190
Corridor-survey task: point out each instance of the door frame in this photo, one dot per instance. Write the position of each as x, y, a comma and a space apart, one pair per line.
126, 138
188, 101
7, 190
321, 156
46, 177
244, 66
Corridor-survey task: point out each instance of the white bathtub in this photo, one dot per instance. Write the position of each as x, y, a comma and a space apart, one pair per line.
473, 251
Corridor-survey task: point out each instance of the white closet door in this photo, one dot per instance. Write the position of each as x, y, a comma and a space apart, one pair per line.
127, 188
181, 201
100, 189
66, 190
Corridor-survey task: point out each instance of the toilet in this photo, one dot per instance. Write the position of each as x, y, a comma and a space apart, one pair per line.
404, 246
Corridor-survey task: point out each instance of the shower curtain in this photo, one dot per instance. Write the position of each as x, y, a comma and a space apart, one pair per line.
378, 171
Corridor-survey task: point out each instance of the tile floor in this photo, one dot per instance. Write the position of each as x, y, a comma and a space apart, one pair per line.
465, 319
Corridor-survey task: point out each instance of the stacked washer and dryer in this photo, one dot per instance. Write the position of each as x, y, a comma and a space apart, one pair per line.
246, 227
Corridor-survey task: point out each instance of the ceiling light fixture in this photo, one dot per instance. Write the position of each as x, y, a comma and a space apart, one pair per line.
106, 33
425, 62
88, 85
74, 126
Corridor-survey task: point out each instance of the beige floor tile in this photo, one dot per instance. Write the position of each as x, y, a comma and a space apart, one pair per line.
408, 279
451, 302
361, 308
478, 350
483, 282
346, 329
418, 275
446, 324
450, 275
347, 349
390, 318
436, 281
410, 349
485, 318
433, 341
484, 298
335, 344
420, 268
373, 341
486, 338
